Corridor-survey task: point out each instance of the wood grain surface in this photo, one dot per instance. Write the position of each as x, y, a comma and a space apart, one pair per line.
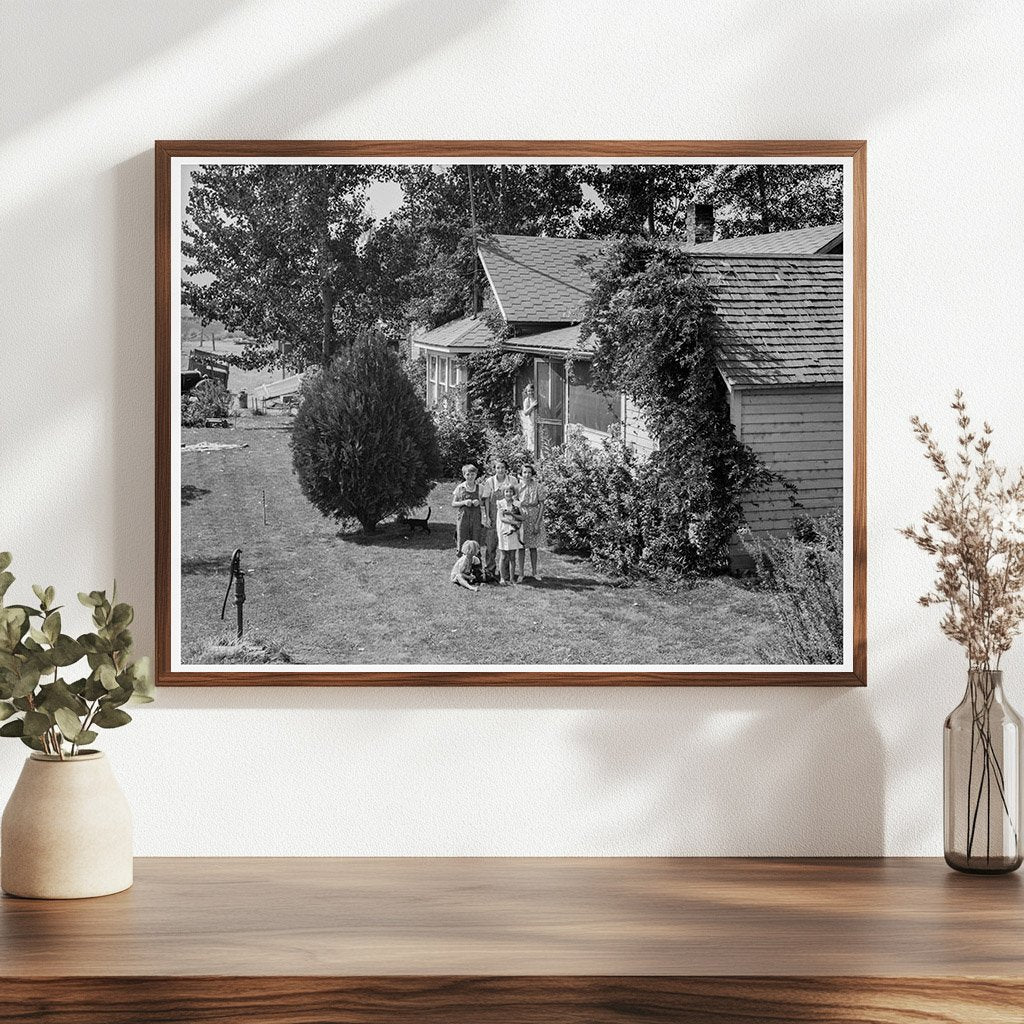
504, 940
166, 150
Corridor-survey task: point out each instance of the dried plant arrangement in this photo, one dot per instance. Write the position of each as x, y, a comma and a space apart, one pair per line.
975, 531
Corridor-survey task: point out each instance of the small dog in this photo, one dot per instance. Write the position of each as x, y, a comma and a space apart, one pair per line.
417, 524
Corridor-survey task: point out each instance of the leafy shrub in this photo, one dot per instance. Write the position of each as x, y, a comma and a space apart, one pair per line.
633, 517
508, 445
653, 317
416, 370
460, 438
209, 399
804, 575
589, 505
491, 386
363, 445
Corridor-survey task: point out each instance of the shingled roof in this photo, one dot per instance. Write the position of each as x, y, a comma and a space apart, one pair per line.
780, 318
466, 335
780, 315
537, 279
801, 241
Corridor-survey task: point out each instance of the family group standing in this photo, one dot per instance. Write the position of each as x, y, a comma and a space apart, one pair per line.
498, 520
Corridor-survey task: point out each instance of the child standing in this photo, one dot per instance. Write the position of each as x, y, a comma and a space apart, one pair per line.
531, 500
462, 570
510, 519
466, 501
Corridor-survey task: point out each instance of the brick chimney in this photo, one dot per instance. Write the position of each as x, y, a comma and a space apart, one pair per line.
700, 223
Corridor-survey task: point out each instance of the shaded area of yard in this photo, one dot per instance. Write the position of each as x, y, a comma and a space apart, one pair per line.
385, 599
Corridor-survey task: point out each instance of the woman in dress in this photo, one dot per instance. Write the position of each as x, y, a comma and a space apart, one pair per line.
528, 418
531, 502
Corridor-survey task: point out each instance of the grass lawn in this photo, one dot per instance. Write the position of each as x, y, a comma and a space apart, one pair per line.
385, 599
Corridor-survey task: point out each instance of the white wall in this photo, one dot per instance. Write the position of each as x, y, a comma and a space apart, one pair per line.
937, 90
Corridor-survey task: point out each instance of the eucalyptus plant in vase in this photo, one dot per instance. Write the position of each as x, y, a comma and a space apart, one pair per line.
66, 830
975, 530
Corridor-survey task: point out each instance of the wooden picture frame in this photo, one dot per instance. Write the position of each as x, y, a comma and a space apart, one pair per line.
169, 156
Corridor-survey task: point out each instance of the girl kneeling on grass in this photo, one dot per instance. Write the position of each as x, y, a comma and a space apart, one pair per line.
462, 570
510, 520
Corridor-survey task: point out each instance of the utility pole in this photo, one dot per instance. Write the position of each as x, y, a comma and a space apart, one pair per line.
472, 222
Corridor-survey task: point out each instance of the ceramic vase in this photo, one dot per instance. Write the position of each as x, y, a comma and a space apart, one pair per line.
66, 831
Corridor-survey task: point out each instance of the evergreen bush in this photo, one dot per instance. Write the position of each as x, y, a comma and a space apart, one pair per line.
363, 444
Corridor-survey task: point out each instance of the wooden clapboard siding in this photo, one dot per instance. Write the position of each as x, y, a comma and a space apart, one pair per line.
634, 429
798, 433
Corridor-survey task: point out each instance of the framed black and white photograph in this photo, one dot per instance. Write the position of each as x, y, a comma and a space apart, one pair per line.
485, 413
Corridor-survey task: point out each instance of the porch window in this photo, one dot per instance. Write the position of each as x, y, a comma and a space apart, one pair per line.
587, 406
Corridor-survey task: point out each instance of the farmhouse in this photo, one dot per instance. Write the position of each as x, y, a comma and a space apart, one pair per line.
779, 328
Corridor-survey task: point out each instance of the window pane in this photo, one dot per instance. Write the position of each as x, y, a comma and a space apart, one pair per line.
587, 407
432, 368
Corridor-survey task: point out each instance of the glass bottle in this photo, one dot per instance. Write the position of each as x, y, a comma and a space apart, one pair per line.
981, 774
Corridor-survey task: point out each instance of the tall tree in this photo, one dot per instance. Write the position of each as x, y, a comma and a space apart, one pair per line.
272, 250
650, 200
424, 254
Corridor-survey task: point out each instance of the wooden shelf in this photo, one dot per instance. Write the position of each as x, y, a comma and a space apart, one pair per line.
283, 941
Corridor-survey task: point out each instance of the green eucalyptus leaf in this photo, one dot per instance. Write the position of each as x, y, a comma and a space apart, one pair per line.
29, 611
51, 626
111, 718
38, 636
59, 695
50, 595
22, 703
94, 689
27, 682
115, 698
86, 736
6, 710
31, 741
13, 626
122, 616
9, 663
5, 560
13, 728
99, 647
40, 592
36, 723
107, 676
66, 651
6, 579
89, 600
69, 724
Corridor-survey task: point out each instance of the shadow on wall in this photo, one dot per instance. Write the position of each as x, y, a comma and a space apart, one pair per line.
53, 38
743, 771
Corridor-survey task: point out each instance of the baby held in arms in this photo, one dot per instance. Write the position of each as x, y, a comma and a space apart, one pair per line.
463, 570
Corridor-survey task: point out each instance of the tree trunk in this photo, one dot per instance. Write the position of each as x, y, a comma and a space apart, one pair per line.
327, 291
762, 192
650, 203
